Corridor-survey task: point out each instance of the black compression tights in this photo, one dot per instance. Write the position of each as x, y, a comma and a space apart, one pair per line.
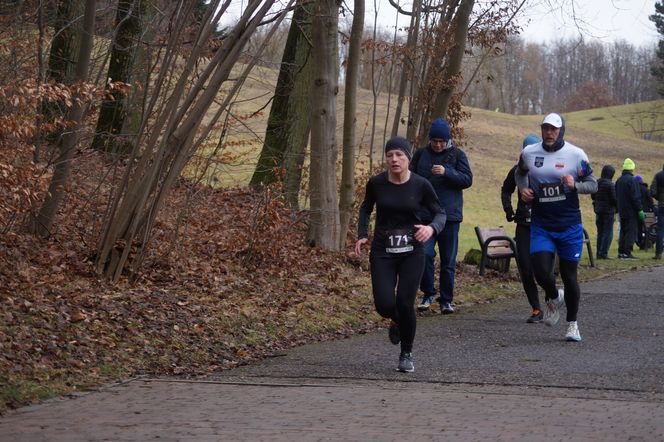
404, 274
543, 269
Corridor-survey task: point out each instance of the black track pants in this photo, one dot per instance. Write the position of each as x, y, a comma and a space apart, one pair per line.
403, 274
543, 268
525, 265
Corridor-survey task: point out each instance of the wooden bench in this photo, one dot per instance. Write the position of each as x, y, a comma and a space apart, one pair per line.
649, 231
495, 244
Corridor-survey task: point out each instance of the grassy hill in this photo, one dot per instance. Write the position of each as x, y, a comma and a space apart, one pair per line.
211, 303
608, 135
494, 141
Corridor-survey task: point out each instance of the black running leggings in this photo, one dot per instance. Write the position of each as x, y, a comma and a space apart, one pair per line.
522, 238
543, 269
404, 274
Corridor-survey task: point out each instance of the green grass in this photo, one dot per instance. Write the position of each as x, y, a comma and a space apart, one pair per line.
20, 392
608, 135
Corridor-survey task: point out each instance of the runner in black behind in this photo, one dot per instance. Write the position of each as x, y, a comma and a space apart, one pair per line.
397, 254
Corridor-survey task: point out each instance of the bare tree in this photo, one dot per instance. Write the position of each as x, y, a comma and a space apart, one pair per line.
288, 124
123, 49
407, 64
42, 222
63, 52
347, 191
324, 220
453, 67
175, 132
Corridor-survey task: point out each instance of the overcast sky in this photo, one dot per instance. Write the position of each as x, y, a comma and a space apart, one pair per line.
543, 20
607, 20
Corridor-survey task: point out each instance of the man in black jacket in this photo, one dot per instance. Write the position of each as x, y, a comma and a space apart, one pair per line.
605, 204
522, 236
657, 192
629, 209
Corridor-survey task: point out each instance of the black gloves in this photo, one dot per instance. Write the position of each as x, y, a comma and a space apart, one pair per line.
509, 215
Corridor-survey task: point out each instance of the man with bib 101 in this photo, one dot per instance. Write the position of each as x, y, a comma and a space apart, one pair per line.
551, 175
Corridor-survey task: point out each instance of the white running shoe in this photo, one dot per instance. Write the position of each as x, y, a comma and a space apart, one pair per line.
561, 297
551, 313
573, 334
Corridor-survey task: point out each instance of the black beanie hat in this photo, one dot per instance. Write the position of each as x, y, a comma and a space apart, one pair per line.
401, 144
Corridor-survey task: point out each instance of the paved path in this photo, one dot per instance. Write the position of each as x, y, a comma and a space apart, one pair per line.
481, 375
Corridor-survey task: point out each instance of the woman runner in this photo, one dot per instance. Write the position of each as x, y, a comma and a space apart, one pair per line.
397, 253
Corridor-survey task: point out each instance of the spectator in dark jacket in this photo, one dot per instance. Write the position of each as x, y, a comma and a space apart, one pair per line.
648, 205
605, 204
647, 202
522, 236
446, 167
657, 192
630, 210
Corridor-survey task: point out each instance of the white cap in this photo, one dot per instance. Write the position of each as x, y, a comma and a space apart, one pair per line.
554, 120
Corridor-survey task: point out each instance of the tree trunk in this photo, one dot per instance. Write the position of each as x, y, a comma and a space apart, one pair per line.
453, 68
63, 53
42, 223
113, 111
347, 191
324, 219
288, 125
175, 134
407, 65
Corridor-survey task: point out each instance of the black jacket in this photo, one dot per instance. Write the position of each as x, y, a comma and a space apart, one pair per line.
604, 200
522, 215
646, 200
657, 187
628, 195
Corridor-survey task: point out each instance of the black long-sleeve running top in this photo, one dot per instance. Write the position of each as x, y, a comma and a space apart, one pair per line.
397, 212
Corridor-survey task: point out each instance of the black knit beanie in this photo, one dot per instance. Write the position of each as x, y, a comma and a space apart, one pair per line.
401, 144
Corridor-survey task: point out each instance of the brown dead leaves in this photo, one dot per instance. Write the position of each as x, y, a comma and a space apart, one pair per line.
225, 293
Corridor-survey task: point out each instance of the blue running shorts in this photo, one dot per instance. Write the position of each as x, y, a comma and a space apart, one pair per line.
568, 244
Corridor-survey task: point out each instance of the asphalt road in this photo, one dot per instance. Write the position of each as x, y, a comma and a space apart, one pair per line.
481, 374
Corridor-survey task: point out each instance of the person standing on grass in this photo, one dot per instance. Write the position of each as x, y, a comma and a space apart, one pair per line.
522, 236
630, 209
657, 192
604, 205
397, 249
550, 176
648, 206
447, 168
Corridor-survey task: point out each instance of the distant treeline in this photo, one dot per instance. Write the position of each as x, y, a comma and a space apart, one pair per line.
565, 75
519, 77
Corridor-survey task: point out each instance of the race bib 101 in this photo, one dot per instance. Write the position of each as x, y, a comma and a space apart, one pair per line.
551, 192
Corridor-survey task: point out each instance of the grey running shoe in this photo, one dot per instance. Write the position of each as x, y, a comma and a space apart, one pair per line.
426, 303
573, 334
393, 333
406, 363
446, 308
551, 313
